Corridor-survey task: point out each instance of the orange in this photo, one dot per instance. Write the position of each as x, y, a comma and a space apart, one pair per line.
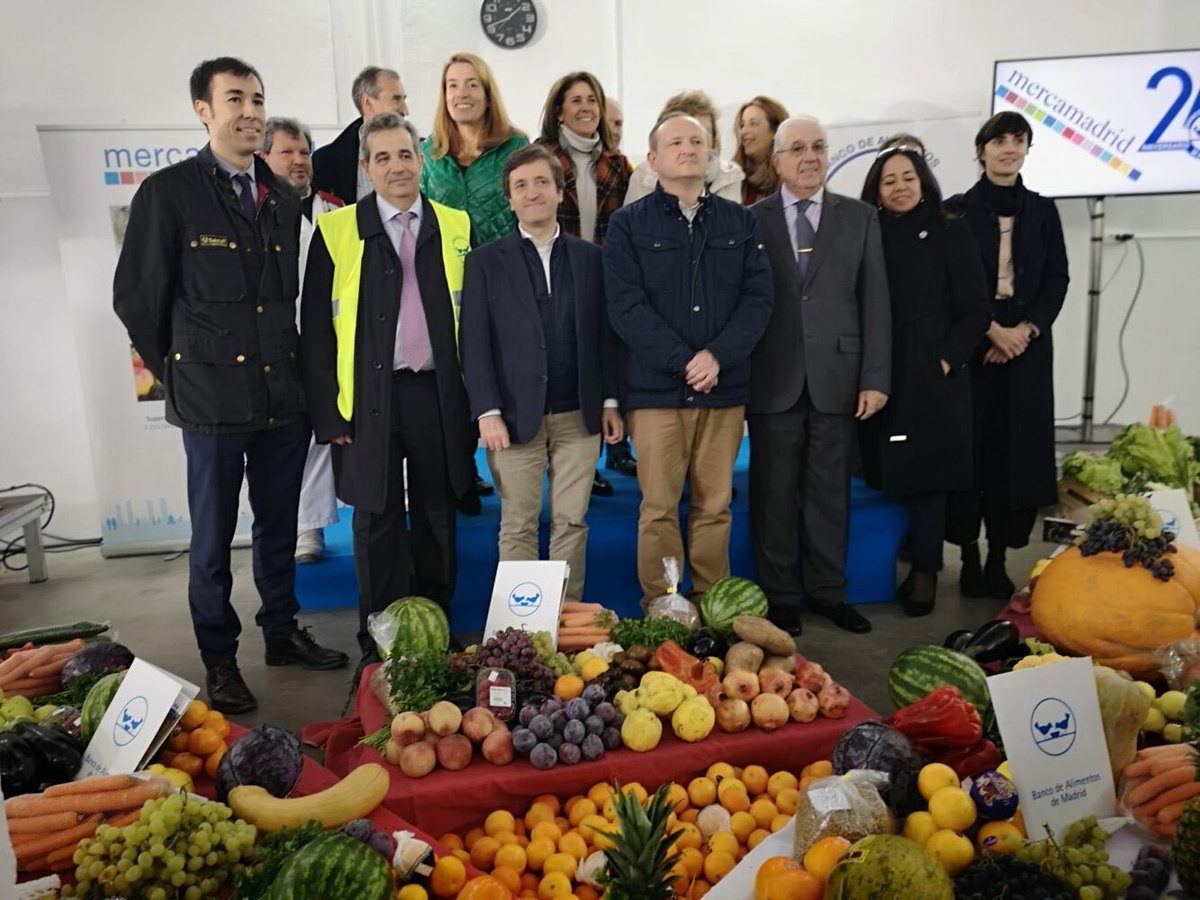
637, 790
554, 885
609, 810
693, 860
511, 856
586, 892
539, 850
822, 768
691, 836
691, 814
757, 836
778, 782
719, 770
723, 842
680, 878
602, 838
539, 812
195, 715
779, 823
599, 792
755, 778
203, 741
214, 760
700, 887
573, 843
785, 800
218, 723
471, 837
570, 804
506, 838
462, 854
702, 791
483, 851
794, 885
485, 887
549, 800
178, 742
546, 830
510, 878
678, 796
589, 825
563, 823
568, 687
189, 763
499, 820
764, 811
412, 892
580, 808
823, 856
561, 862
529, 882
449, 876
451, 841
732, 795
717, 865
742, 824
772, 868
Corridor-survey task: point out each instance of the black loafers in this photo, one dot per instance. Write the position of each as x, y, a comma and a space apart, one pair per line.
301, 650
227, 691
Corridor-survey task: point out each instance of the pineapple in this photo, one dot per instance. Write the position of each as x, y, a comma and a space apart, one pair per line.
639, 866
1186, 848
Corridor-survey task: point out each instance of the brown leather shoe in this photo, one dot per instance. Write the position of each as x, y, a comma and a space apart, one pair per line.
227, 691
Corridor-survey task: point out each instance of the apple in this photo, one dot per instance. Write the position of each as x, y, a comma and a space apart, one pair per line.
743, 685
478, 723
454, 752
733, 714
418, 760
392, 751
802, 704
444, 718
769, 711
773, 681
498, 748
407, 728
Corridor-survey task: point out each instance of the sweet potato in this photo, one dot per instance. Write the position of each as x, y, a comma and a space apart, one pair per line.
744, 657
765, 634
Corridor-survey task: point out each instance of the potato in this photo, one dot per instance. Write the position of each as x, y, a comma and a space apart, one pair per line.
743, 657
759, 631
782, 663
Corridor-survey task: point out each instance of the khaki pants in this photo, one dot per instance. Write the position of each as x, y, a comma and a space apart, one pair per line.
563, 445
672, 445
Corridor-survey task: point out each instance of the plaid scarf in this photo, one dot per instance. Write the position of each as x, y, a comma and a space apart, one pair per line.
612, 181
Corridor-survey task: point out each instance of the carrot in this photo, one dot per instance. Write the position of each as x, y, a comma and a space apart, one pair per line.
570, 606
105, 801
1156, 784
95, 784
57, 839
1184, 791
1161, 764
23, 666
573, 620
41, 824
121, 819
1164, 750
1165, 830
583, 629
52, 669
1137, 768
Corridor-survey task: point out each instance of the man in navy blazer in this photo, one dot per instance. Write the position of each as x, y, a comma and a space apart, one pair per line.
540, 363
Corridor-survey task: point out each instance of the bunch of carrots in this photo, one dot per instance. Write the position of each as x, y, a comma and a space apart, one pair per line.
1160, 782
46, 828
36, 671
582, 625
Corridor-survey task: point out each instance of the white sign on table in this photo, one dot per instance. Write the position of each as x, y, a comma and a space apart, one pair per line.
1053, 736
1176, 513
137, 721
527, 595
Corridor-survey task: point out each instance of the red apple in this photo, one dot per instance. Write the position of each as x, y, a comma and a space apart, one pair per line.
802, 704
769, 711
454, 752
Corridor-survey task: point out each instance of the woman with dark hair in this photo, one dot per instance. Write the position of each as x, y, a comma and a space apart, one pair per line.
1020, 238
754, 126
575, 129
918, 448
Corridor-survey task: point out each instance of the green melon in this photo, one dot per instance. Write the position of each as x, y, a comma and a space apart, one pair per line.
923, 669
97, 701
421, 627
728, 598
887, 865
334, 867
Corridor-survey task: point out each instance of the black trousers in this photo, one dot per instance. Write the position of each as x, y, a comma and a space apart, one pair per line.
399, 552
926, 531
800, 503
273, 464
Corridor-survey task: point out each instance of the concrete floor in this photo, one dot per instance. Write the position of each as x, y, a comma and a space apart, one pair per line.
144, 599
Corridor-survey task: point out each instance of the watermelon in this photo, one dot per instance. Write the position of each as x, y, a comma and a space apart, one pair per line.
888, 865
420, 626
728, 598
267, 756
922, 669
334, 866
97, 701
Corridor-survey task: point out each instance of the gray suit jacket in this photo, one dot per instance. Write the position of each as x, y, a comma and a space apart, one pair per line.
833, 331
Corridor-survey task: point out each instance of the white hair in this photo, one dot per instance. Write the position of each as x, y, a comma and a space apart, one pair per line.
781, 131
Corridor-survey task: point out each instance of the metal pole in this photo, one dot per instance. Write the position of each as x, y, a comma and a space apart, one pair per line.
1096, 258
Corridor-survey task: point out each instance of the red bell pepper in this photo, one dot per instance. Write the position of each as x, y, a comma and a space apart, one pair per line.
943, 718
969, 761
676, 661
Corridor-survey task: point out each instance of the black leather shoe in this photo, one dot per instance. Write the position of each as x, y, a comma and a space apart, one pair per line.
999, 585
301, 650
227, 692
482, 488
469, 503
846, 617
904, 591
787, 618
600, 486
626, 465
971, 582
922, 591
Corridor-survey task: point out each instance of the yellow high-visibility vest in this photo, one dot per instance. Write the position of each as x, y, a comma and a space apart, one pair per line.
340, 231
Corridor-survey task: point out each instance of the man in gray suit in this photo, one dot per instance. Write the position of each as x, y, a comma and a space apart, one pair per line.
824, 361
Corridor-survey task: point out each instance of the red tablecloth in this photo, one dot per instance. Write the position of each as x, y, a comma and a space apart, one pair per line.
457, 801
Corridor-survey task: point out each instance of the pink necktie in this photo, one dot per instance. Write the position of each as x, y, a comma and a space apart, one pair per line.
415, 352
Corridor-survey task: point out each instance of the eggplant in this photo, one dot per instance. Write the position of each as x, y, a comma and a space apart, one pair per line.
957, 640
996, 640
706, 642
18, 765
58, 756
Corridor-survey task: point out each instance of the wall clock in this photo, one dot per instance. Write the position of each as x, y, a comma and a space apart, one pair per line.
510, 24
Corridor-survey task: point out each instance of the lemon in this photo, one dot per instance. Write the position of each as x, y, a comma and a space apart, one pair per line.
919, 827
1006, 770
994, 836
950, 849
934, 777
1155, 720
953, 808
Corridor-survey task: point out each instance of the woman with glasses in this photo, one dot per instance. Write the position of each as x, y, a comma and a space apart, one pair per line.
918, 448
1020, 238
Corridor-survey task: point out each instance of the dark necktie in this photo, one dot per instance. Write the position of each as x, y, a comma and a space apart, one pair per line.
805, 236
246, 196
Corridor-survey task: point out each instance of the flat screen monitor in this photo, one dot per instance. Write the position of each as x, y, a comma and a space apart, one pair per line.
1121, 124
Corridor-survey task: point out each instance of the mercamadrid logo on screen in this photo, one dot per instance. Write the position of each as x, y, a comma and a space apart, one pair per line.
132, 165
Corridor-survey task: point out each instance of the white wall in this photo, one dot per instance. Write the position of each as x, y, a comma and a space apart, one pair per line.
112, 62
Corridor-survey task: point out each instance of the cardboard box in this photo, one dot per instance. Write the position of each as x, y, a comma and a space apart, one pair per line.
1074, 498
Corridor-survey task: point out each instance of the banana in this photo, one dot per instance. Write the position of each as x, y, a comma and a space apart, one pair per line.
354, 797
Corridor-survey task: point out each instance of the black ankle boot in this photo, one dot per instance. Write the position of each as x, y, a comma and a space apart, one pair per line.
919, 601
971, 582
904, 591
999, 585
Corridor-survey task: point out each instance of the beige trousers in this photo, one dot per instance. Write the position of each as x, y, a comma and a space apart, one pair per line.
563, 447
674, 445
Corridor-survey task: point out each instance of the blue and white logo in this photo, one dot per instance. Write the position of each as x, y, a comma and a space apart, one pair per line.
1053, 726
525, 599
1169, 519
130, 721
1193, 134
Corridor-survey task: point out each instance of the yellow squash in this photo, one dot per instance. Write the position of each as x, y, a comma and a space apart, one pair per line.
354, 797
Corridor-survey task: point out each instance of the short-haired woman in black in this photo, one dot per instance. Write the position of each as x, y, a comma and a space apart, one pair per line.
919, 447
1020, 237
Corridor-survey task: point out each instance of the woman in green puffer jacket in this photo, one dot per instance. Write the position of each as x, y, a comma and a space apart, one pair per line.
472, 138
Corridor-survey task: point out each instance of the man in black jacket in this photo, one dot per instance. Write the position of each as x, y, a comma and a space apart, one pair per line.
206, 286
335, 166
689, 293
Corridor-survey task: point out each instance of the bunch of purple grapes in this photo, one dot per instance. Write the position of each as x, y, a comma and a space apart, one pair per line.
363, 830
557, 732
1140, 542
510, 649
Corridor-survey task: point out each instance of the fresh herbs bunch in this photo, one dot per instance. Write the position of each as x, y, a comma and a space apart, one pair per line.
649, 632
416, 682
255, 883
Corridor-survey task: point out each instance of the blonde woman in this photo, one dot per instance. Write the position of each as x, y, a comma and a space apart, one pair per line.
754, 126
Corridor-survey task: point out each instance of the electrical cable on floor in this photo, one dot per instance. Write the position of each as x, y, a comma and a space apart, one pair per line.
1137, 292
16, 546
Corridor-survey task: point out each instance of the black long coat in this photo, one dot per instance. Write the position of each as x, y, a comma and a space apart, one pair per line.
1040, 286
921, 441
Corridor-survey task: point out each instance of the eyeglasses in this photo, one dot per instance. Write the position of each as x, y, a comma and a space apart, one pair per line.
799, 149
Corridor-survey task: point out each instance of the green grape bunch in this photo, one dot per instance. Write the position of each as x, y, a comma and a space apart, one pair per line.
1128, 524
1079, 860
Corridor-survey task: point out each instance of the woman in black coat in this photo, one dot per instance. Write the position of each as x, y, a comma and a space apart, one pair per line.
919, 447
1024, 257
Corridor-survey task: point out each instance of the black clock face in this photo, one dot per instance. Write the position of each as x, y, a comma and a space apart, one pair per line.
508, 23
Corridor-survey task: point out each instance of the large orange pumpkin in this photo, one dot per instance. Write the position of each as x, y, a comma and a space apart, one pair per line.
1096, 607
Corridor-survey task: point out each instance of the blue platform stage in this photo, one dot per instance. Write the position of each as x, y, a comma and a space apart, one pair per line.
876, 529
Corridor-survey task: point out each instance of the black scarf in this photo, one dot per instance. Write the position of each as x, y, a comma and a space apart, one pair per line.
1003, 200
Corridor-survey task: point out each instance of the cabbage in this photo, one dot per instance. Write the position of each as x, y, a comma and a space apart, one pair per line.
1155, 454
1100, 473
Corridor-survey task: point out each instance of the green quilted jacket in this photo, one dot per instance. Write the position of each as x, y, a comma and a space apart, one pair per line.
479, 190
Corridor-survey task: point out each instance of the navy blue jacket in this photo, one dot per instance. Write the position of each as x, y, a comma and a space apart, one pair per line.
675, 289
